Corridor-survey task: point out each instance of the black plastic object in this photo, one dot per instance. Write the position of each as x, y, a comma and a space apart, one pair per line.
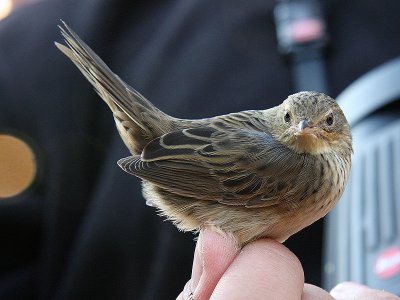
363, 232
301, 35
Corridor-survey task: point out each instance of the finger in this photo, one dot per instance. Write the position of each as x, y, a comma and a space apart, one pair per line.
312, 292
180, 297
264, 269
213, 254
356, 291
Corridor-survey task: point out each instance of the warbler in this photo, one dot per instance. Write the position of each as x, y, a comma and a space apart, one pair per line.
251, 174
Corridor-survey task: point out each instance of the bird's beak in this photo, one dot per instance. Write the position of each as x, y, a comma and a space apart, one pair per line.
303, 124
305, 127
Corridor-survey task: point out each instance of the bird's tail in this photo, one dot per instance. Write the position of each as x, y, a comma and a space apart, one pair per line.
137, 119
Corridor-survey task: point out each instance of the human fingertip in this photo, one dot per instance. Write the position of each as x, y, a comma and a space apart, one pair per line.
214, 253
275, 252
357, 291
347, 289
216, 245
197, 267
263, 267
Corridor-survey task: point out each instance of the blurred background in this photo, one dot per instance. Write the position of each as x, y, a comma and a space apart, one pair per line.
74, 226
8, 6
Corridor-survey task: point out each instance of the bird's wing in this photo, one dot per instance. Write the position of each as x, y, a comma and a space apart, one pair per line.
233, 167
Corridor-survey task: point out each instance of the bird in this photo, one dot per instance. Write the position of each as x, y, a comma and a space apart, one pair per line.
251, 174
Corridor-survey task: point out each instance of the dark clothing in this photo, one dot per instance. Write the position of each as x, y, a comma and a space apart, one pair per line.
84, 231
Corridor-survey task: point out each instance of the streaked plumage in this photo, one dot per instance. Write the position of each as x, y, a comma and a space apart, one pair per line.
251, 174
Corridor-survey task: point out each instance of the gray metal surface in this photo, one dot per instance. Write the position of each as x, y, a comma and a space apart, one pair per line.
363, 232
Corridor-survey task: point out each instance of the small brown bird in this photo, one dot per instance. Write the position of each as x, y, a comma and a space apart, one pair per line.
251, 174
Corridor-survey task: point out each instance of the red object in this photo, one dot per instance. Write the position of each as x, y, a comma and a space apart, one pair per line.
306, 30
388, 263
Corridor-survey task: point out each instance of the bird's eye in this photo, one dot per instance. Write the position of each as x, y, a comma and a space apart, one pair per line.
286, 117
329, 120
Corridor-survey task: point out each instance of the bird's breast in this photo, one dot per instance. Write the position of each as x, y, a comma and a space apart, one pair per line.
332, 172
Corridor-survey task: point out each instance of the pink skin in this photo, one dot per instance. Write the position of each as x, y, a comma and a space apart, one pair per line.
264, 269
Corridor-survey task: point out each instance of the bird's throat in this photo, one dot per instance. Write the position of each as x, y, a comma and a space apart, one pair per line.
309, 143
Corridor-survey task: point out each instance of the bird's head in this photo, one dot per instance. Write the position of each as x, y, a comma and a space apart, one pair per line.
313, 123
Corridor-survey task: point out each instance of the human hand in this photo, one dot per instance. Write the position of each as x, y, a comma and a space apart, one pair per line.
264, 269
355, 291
